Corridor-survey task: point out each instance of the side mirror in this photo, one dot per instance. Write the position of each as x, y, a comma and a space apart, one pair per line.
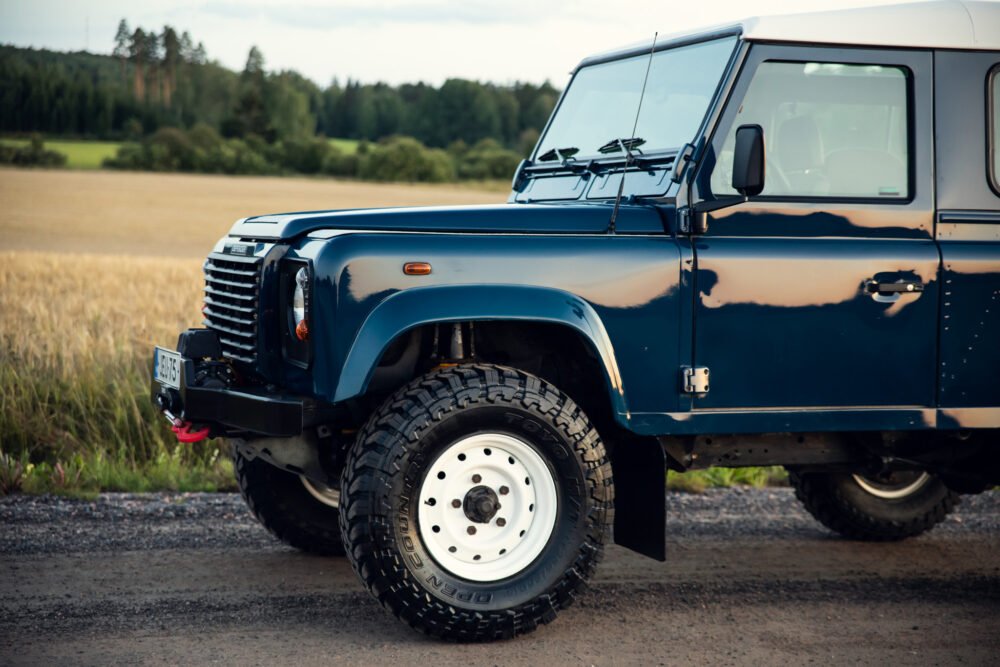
748, 160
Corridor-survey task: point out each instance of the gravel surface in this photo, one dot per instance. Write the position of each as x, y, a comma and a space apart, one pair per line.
750, 578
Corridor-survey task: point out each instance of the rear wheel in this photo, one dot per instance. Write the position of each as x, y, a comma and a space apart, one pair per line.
476, 502
895, 506
299, 512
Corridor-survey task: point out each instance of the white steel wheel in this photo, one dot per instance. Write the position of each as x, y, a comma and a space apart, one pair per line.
898, 485
488, 506
327, 495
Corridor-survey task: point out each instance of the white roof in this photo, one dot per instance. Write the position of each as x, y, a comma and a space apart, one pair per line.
942, 24
938, 24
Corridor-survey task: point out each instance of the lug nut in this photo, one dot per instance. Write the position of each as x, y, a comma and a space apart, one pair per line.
456, 503
471, 530
476, 479
501, 522
504, 490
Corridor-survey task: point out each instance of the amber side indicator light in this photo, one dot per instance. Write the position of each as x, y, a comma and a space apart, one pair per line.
302, 330
416, 268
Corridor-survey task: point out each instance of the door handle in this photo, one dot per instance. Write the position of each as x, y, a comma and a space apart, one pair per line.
875, 287
890, 292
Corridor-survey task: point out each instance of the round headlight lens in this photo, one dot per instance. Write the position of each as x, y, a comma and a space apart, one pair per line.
299, 297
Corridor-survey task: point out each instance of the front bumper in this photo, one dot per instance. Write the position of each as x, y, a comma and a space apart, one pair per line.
205, 398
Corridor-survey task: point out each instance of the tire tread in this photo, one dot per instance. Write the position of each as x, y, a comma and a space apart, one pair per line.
825, 501
393, 432
275, 511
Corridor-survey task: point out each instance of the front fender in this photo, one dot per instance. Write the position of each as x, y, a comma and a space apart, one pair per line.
419, 306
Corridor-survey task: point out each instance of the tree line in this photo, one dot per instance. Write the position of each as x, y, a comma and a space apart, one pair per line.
165, 79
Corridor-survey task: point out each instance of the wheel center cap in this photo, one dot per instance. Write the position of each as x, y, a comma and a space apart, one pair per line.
481, 504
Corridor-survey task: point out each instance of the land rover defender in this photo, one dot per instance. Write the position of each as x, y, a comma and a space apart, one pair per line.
772, 243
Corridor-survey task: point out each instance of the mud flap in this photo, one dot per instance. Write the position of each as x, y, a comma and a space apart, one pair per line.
640, 473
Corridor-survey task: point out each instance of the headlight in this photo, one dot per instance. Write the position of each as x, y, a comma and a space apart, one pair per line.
300, 302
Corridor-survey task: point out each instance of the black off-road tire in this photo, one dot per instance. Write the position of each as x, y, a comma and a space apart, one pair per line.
381, 489
281, 503
838, 502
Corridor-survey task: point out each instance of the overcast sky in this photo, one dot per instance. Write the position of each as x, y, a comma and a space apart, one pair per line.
388, 40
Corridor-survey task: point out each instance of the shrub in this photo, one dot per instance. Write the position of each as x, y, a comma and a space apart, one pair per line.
405, 159
305, 156
339, 164
486, 159
203, 149
32, 155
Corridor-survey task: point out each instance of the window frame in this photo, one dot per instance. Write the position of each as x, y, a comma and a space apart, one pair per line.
761, 52
992, 108
689, 40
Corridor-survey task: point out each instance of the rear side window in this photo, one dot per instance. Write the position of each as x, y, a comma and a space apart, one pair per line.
993, 109
830, 130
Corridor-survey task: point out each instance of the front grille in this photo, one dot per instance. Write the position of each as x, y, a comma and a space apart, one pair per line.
232, 290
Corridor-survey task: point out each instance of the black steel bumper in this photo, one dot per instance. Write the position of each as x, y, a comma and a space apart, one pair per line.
228, 409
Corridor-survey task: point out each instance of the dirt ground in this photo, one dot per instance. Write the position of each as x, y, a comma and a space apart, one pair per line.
750, 579
177, 215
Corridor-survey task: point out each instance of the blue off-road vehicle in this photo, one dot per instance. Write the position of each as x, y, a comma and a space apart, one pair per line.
773, 243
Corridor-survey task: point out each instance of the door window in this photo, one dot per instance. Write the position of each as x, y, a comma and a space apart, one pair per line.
830, 130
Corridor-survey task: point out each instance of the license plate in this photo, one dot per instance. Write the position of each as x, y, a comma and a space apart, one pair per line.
167, 368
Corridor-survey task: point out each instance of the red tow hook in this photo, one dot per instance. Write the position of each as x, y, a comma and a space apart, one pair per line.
182, 429
185, 434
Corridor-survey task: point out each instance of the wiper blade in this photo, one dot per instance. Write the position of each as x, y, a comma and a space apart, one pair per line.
616, 145
561, 154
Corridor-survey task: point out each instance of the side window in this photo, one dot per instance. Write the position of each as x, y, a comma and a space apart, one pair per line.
993, 102
830, 130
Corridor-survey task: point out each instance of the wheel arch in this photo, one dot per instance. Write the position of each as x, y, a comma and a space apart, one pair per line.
409, 310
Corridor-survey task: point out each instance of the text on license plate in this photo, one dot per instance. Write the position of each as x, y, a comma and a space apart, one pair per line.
167, 368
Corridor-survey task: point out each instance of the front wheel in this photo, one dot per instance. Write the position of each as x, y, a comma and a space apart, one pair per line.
301, 513
891, 507
476, 502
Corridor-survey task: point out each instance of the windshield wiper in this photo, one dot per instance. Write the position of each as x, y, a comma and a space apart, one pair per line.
616, 145
561, 154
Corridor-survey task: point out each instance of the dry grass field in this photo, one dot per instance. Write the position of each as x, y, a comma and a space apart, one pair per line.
95, 268
178, 215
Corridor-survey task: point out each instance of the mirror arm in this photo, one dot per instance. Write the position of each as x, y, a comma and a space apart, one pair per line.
715, 205
695, 219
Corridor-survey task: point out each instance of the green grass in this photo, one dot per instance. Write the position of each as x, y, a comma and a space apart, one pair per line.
699, 480
75, 414
87, 474
345, 146
79, 154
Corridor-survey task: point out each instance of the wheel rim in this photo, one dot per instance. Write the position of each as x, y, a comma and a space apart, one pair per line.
897, 485
325, 494
488, 507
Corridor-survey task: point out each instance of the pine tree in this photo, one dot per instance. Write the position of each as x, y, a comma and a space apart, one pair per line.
138, 53
171, 58
187, 47
121, 50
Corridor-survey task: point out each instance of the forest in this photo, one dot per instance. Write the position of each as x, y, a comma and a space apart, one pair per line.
180, 110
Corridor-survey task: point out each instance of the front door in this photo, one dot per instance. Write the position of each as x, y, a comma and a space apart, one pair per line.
823, 291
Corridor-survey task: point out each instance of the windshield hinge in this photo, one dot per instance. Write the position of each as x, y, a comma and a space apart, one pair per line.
684, 156
695, 379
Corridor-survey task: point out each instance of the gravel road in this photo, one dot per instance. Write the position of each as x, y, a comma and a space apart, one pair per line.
750, 579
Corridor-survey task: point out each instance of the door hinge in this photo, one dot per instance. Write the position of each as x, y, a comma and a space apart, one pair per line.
692, 221
695, 379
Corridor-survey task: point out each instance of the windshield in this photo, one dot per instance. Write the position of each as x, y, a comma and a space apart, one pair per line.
600, 105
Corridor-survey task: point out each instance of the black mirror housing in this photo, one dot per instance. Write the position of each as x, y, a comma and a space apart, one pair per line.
748, 160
